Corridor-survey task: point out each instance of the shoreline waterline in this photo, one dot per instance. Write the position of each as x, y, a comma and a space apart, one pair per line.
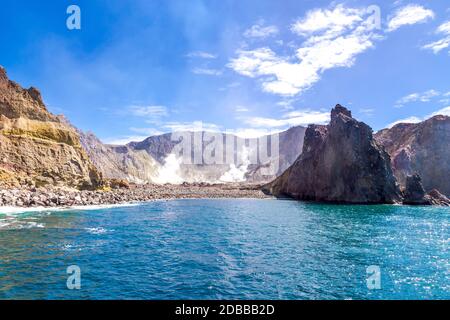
11, 210
54, 197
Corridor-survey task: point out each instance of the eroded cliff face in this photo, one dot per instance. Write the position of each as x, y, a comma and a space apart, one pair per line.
120, 162
36, 147
423, 149
340, 162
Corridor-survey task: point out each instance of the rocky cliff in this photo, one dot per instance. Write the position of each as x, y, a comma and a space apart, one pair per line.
422, 148
120, 162
36, 147
340, 162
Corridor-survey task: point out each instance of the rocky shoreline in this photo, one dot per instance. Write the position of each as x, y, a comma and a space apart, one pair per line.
60, 197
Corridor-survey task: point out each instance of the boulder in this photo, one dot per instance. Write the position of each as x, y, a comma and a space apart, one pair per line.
414, 193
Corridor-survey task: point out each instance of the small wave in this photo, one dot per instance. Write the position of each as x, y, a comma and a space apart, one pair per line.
103, 206
31, 224
16, 224
4, 224
8, 210
98, 230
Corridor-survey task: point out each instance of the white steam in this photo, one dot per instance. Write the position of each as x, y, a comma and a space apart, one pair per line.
170, 171
237, 174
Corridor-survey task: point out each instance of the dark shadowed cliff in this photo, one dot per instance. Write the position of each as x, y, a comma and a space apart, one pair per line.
340, 162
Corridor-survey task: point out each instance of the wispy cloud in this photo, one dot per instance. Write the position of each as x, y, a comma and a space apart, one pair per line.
147, 131
249, 133
286, 104
124, 140
207, 71
149, 111
241, 109
191, 126
231, 85
202, 55
406, 120
293, 118
426, 96
441, 44
409, 15
443, 112
260, 31
151, 114
368, 112
334, 37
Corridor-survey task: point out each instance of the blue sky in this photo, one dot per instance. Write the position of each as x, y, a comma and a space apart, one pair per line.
138, 68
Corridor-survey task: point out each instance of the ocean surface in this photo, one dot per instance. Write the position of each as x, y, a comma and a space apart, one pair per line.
227, 249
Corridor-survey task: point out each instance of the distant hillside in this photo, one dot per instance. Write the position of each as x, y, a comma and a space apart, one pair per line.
119, 162
153, 159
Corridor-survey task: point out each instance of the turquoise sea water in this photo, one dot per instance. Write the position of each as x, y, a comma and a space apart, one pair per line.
227, 249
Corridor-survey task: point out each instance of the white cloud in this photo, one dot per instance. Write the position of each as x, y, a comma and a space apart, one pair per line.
417, 97
368, 112
409, 15
207, 71
444, 28
191, 126
406, 120
231, 85
241, 109
438, 46
249, 133
260, 31
124, 140
334, 37
147, 131
441, 44
201, 54
330, 21
286, 104
149, 111
445, 101
293, 118
443, 112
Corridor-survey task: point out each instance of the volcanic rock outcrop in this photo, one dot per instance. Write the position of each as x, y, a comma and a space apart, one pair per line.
341, 163
422, 148
36, 147
414, 192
